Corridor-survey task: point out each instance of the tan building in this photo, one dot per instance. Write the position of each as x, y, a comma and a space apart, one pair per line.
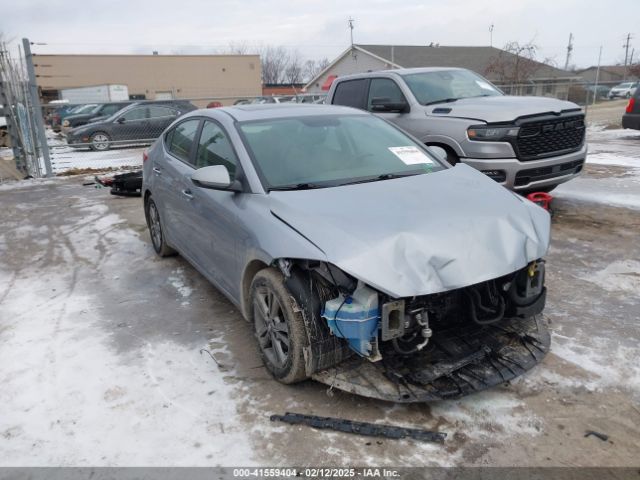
153, 76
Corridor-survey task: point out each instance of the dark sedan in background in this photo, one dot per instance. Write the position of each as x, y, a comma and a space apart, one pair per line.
139, 123
631, 117
97, 112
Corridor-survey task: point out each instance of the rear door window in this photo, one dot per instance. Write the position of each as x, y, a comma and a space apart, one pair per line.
179, 140
162, 112
214, 148
136, 114
352, 93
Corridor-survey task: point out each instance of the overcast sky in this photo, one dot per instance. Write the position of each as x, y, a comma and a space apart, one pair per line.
319, 28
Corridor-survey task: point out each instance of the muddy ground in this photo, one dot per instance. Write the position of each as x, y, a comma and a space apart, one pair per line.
100, 359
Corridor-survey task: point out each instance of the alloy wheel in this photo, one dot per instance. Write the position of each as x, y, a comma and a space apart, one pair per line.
154, 226
271, 327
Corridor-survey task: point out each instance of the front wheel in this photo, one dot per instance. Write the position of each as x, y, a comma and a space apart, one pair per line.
279, 327
99, 141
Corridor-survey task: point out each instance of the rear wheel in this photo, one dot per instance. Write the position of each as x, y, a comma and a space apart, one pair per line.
99, 141
279, 327
155, 230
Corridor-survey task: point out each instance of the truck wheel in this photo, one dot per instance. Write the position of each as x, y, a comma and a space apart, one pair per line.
155, 229
99, 141
279, 327
452, 157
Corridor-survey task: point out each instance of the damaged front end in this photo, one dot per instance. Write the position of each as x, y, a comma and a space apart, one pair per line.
429, 347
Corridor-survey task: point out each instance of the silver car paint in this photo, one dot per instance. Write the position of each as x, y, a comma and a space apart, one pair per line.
409, 236
451, 129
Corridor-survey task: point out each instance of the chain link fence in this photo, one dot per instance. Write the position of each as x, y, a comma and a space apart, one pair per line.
101, 135
20, 145
114, 134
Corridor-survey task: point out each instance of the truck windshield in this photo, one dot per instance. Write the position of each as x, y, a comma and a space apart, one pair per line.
448, 86
331, 150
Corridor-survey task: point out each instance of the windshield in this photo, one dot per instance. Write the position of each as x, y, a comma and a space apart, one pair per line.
624, 85
85, 108
331, 150
448, 86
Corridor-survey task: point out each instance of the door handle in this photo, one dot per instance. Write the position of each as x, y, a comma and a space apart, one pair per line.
157, 171
188, 194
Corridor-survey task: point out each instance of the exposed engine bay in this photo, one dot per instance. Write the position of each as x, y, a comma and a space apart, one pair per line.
442, 345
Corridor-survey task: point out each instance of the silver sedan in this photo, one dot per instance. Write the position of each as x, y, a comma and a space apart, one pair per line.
362, 259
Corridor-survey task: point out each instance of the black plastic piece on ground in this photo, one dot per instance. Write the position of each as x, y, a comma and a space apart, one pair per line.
127, 184
599, 435
360, 428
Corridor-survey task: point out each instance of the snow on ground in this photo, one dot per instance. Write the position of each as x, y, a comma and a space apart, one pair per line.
64, 158
70, 397
615, 148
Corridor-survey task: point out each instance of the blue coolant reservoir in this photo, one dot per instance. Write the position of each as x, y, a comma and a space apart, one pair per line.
355, 318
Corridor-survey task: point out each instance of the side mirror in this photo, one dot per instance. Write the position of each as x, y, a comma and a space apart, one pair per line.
120, 120
215, 177
384, 104
439, 152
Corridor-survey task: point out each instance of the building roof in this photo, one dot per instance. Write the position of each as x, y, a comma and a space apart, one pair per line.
477, 59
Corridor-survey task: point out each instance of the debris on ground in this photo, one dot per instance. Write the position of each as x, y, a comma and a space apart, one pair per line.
360, 428
599, 435
124, 184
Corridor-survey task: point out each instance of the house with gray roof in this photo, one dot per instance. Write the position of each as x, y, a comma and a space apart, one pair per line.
513, 74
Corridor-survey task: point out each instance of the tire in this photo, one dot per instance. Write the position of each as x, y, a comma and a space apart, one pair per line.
99, 142
155, 229
279, 327
452, 157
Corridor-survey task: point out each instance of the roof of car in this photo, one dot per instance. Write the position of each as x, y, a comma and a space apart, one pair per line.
243, 113
396, 71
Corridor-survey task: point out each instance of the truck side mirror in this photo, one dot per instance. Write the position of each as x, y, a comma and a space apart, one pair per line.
384, 104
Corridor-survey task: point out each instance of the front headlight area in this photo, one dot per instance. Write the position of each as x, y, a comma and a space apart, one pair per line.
342, 310
488, 133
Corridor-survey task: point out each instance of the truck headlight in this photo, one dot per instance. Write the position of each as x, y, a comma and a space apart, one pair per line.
492, 134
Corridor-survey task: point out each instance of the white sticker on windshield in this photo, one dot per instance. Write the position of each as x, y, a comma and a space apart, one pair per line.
411, 155
484, 85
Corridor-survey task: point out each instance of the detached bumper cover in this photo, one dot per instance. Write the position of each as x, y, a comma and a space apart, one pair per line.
457, 362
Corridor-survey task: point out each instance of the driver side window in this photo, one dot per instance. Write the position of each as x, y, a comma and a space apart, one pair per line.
214, 148
384, 88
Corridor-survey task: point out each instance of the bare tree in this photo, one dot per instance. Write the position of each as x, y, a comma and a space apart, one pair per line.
516, 64
634, 70
274, 62
313, 67
294, 71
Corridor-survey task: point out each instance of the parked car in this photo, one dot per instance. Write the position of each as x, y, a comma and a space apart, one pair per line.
623, 90
600, 91
631, 117
524, 143
88, 115
347, 244
58, 112
140, 123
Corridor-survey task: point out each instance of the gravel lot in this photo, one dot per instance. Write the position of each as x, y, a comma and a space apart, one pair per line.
100, 341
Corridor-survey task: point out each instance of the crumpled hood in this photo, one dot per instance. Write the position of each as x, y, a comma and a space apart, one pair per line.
422, 234
500, 108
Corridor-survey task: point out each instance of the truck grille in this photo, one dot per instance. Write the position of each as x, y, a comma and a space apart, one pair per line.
548, 137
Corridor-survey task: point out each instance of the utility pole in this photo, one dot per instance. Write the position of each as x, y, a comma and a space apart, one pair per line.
491, 35
595, 90
351, 20
37, 109
569, 50
626, 55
